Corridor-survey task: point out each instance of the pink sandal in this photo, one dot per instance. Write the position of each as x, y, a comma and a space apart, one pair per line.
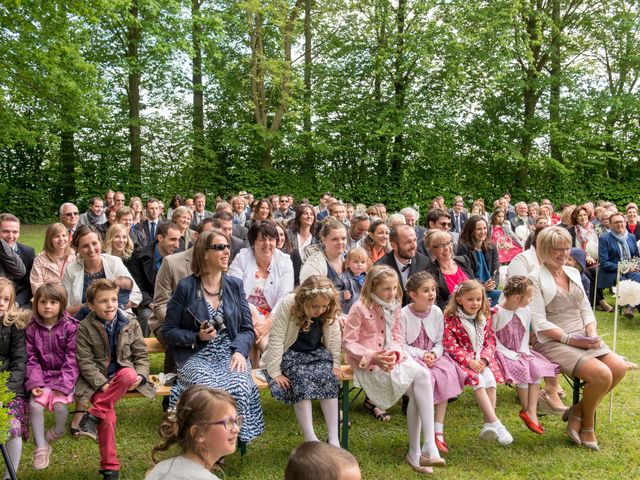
51, 435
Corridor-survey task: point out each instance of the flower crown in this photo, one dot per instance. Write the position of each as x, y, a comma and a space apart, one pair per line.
314, 291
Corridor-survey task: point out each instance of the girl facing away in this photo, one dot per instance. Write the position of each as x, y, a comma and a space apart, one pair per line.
374, 348
424, 327
469, 339
13, 354
521, 366
52, 369
302, 358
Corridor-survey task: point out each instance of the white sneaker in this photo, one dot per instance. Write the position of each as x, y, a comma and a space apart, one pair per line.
488, 433
504, 437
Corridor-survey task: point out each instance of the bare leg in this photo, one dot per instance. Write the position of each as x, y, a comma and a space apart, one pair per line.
491, 393
484, 402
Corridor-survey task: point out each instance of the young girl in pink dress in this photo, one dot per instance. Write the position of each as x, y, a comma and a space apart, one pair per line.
522, 366
469, 339
374, 348
423, 327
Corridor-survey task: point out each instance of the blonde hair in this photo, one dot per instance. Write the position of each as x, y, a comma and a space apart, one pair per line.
356, 253
315, 285
375, 276
435, 237
550, 238
565, 216
466, 287
13, 316
53, 230
110, 237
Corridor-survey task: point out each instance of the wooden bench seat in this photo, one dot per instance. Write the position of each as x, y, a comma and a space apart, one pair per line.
154, 346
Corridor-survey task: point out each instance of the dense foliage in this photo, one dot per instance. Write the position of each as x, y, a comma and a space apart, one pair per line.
377, 100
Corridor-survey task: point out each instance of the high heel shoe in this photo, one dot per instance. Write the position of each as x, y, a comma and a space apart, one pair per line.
573, 434
590, 445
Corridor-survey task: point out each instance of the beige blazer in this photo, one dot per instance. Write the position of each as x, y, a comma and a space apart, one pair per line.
284, 333
172, 269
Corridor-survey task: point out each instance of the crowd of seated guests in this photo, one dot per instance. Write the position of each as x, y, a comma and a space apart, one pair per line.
191, 288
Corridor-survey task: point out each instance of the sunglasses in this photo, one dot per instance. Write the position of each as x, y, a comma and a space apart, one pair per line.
71, 214
218, 247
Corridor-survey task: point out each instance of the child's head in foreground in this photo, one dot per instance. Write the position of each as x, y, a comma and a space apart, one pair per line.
321, 461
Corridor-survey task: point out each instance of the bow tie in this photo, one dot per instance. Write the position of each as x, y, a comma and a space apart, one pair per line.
406, 267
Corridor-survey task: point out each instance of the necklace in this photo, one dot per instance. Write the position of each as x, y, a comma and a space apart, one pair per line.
212, 294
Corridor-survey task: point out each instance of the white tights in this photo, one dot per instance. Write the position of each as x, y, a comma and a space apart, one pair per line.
420, 417
329, 406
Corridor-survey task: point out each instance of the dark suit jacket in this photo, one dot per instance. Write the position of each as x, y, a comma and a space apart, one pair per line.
188, 306
490, 256
443, 291
235, 245
636, 234
143, 271
144, 228
23, 285
241, 232
517, 221
463, 219
609, 256
194, 221
419, 263
138, 238
420, 231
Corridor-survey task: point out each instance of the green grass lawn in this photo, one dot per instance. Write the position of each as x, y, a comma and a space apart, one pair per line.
381, 447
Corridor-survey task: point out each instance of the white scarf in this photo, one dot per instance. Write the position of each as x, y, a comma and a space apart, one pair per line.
388, 311
474, 326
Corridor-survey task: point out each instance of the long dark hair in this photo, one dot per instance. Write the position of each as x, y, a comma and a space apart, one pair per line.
300, 209
466, 236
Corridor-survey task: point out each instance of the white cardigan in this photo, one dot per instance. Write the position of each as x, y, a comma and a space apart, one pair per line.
73, 279
523, 264
544, 289
433, 325
284, 333
316, 264
279, 282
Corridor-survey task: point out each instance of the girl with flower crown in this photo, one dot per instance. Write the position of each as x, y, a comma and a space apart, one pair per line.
302, 358
374, 347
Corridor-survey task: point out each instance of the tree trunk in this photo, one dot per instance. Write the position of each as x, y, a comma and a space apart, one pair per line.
399, 86
308, 147
133, 93
380, 20
198, 93
68, 165
554, 93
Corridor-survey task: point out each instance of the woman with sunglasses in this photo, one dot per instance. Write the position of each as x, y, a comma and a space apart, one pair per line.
208, 329
204, 427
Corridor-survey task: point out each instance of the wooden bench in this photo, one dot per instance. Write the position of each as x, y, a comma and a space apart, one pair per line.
154, 346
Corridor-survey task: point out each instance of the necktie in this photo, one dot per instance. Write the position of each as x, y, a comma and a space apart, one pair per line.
457, 218
406, 267
152, 230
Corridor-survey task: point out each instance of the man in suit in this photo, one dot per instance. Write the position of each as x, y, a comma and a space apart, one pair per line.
412, 216
10, 233
145, 265
223, 221
441, 220
404, 257
149, 227
458, 217
239, 231
95, 215
69, 217
124, 215
614, 246
200, 212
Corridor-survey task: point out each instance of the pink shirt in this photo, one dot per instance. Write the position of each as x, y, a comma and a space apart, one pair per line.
454, 279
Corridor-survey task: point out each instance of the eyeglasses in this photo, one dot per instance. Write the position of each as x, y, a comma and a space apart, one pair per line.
565, 250
229, 422
445, 224
444, 245
71, 214
218, 247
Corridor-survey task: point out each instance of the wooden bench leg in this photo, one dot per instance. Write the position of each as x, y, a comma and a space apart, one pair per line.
345, 414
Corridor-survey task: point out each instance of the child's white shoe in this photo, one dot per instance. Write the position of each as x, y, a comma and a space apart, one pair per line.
504, 437
488, 433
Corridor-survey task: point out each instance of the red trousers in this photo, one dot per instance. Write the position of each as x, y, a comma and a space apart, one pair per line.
104, 409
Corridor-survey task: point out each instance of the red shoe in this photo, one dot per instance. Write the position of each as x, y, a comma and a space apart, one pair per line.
440, 443
531, 425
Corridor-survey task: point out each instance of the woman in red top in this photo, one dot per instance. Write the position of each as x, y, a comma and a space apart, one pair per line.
632, 220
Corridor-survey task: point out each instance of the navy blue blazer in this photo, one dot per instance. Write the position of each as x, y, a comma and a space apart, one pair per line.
609, 256
187, 308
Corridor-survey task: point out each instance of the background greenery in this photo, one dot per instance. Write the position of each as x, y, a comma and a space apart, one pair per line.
381, 447
374, 100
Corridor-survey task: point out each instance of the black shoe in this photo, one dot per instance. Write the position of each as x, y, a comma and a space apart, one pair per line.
89, 428
109, 474
405, 404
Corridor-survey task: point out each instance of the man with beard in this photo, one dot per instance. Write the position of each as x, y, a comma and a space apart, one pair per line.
404, 257
359, 225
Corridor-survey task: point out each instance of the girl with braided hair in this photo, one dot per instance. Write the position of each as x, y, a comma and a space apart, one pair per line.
205, 427
303, 355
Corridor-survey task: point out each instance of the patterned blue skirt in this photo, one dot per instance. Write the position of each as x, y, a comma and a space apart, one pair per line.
210, 367
310, 375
